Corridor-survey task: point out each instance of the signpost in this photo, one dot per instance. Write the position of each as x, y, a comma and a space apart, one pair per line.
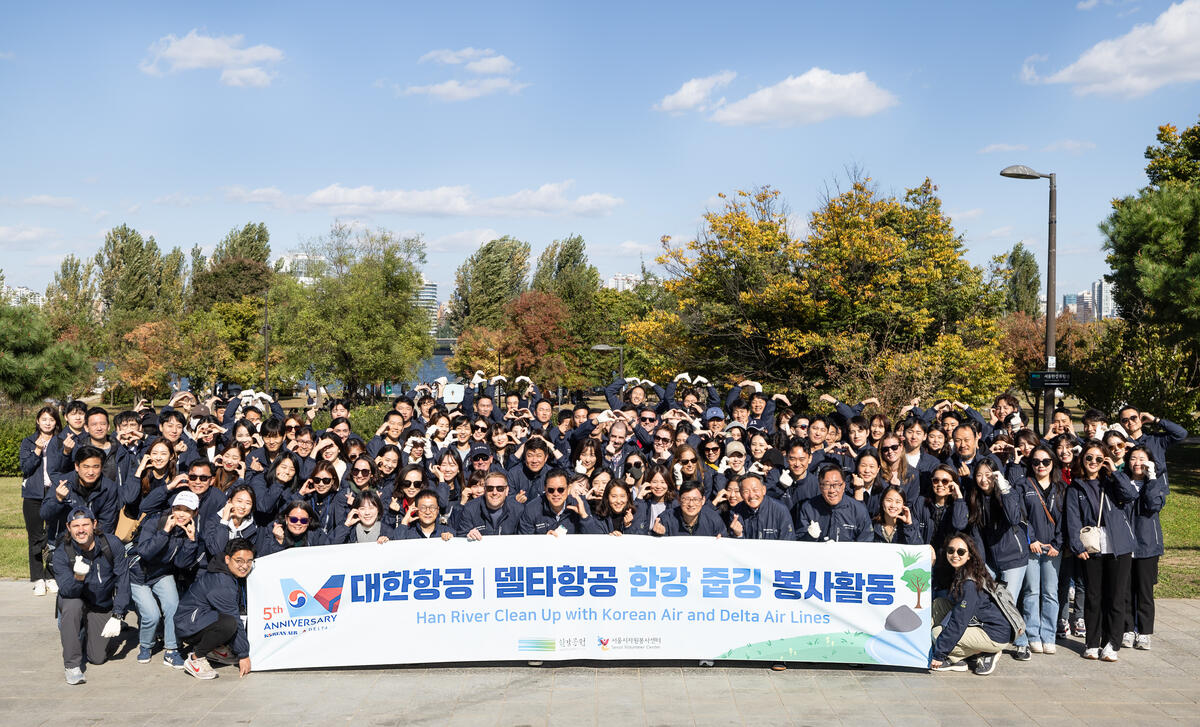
1049, 379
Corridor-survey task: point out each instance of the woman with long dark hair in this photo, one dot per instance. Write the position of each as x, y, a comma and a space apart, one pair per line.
969, 624
996, 519
35, 472
1043, 490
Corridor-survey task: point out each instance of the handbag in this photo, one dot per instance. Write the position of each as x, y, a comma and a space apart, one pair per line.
127, 526
1090, 536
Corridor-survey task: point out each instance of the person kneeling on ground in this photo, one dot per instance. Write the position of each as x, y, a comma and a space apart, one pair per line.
92, 573
969, 624
211, 616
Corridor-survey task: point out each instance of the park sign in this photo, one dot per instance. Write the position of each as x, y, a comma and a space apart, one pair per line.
594, 597
1049, 379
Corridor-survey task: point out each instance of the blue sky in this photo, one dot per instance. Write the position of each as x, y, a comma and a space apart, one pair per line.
617, 121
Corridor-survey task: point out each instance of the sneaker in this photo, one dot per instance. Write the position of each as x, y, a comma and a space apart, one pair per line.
222, 655
75, 676
199, 668
1108, 653
52, 587
951, 666
1127, 639
985, 664
778, 667
1080, 628
1048, 648
144, 654
1092, 654
173, 659
1064, 628
1142, 642
1036, 647
39, 587
1021, 653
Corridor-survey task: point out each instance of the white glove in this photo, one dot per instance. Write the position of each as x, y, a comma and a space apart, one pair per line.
1002, 482
1150, 473
678, 475
633, 381
757, 386
111, 628
477, 379
814, 529
81, 566
758, 468
248, 394
604, 417
1014, 420
785, 479
723, 464
648, 382
526, 379
1077, 449
498, 378
580, 468
682, 377
700, 381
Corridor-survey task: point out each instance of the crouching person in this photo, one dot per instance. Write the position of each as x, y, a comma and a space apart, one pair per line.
969, 625
212, 616
92, 573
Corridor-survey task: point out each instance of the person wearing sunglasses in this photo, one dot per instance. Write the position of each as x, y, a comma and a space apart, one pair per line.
422, 519
555, 513
493, 514
321, 493
969, 626
278, 484
296, 527
409, 483
199, 480
1097, 498
942, 513
996, 519
1043, 491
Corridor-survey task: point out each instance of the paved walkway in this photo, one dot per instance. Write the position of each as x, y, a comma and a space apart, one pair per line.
1145, 688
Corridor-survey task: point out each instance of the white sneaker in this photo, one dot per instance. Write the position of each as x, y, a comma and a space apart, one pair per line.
1108, 653
1048, 648
1035, 647
1143, 642
51, 586
199, 668
39, 587
1092, 654
1127, 640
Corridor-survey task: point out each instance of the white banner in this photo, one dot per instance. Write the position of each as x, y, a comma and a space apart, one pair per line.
523, 597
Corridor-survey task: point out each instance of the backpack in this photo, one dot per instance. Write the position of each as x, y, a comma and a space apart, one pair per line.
73, 551
1008, 606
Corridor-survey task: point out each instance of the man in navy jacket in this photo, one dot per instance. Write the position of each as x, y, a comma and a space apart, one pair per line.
692, 516
211, 616
493, 514
831, 515
86, 487
758, 517
551, 513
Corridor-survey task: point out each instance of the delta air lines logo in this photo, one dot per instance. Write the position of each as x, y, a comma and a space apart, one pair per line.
301, 603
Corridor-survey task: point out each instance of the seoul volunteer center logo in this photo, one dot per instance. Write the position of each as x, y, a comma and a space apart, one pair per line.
305, 611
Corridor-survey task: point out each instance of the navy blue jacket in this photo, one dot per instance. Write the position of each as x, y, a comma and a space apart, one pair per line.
639, 526
217, 592
539, 519
345, 534
792, 492
268, 545
413, 531
1142, 513
163, 554
708, 523
940, 523
905, 534
216, 534
973, 608
106, 586
1038, 502
475, 516
102, 499
159, 499
770, 521
845, 522
1157, 443
521, 479
33, 468
1083, 505
61, 464
1003, 539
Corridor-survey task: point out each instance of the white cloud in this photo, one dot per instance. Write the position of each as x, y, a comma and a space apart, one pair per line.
998, 232
39, 200
1028, 72
466, 90
694, 94
239, 66
7, 55
99, 215
1086, 4
1071, 146
634, 248
455, 57
25, 233
992, 148
492, 65
178, 199
1148, 57
133, 209
809, 98
449, 201
965, 214
465, 241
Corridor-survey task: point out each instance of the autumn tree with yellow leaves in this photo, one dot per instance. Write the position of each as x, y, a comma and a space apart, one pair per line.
876, 299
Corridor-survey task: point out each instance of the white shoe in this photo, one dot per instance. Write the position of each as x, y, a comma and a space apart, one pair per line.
1049, 648
39, 587
51, 586
1143, 642
1108, 653
1092, 654
1035, 647
1127, 640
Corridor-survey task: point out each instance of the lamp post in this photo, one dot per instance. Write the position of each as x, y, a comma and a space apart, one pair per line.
1020, 171
621, 352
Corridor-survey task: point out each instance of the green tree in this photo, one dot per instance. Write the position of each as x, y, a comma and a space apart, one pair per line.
487, 281
563, 271
252, 242
71, 302
32, 365
1177, 156
172, 286
536, 342
1022, 284
359, 323
228, 280
128, 272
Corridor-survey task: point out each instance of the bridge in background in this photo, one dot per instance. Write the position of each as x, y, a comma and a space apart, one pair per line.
444, 346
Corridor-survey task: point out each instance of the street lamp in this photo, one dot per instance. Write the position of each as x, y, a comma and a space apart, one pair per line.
1020, 171
620, 350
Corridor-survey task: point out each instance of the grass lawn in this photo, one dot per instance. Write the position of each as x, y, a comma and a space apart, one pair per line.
1179, 568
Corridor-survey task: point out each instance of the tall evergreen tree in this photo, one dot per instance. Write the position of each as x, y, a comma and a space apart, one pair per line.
1023, 287
487, 281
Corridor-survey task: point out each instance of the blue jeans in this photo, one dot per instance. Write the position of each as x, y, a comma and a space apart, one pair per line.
147, 599
1040, 603
1013, 579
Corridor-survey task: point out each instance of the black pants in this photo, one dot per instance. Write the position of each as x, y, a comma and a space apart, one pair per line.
35, 534
218, 633
1140, 606
76, 616
1108, 589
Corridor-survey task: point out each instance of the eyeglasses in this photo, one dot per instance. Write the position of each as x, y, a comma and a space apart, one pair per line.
833, 486
691, 500
1130, 418
941, 480
244, 562
199, 478
495, 488
889, 448
297, 520
1093, 458
960, 552
1042, 462
555, 490
427, 508
689, 460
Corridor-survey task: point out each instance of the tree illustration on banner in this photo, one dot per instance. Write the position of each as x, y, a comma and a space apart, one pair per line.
917, 579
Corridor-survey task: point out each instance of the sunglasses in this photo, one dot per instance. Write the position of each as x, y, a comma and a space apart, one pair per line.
290, 428
889, 447
1093, 458
481, 429
712, 449
960, 552
199, 478
556, 490
1042, 462
689, 460
322, 480
495, 488
297, 520
941, 480
663, 440
412, 483
361, 472
1130, 418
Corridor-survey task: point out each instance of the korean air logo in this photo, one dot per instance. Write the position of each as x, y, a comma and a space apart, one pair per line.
301, 603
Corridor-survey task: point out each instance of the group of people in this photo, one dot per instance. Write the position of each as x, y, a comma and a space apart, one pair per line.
163, 512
